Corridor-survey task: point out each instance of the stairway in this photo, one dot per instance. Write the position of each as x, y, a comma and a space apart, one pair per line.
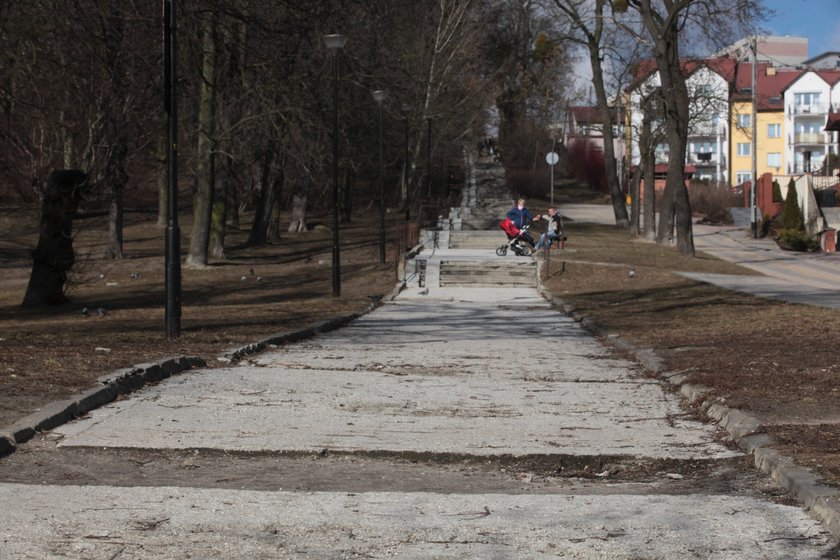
488, 274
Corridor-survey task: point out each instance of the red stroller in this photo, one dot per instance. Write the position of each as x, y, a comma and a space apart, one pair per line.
519, 240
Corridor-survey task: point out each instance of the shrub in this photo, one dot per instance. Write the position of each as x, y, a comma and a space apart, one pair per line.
791, 217
795, 240
587, 163
713, 201
777, 192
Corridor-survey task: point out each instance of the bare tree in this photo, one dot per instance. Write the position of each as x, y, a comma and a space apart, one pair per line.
588, 20
665, 24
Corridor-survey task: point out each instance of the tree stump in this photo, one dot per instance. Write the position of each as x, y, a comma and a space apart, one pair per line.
298, 221
53, 257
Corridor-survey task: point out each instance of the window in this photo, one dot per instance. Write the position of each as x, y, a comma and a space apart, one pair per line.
704, 90
806, 99
744, 149
774, 130
744, 121
774, 160
743, 177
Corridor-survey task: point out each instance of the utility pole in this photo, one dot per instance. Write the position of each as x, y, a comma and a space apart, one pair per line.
753, 218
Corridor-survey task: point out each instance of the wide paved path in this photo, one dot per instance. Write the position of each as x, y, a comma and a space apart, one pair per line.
449, 423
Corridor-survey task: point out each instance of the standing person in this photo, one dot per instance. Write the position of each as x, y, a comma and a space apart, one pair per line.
520, 216
554, 229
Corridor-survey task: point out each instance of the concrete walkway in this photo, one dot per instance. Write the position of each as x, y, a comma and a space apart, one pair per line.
462, 382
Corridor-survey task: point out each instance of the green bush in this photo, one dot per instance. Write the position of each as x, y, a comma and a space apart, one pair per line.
791, 217
713, 201
777, 192
796, 240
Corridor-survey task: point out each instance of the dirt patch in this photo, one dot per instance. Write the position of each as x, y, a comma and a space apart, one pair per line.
775, 360
51, 353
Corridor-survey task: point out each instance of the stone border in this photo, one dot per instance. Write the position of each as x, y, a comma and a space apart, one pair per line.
744, 429
120, 382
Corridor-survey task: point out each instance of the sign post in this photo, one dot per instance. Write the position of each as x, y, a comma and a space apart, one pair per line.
552, 158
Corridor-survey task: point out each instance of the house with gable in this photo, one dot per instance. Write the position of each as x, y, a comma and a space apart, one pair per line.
808, 100
708, 136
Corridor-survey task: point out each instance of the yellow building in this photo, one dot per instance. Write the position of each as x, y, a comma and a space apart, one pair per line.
770, 122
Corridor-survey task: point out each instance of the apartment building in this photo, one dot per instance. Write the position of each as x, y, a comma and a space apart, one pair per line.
792, 106
808, 100
770, 141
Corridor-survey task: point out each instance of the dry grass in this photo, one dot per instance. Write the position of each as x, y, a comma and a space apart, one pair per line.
772, 359
51, 353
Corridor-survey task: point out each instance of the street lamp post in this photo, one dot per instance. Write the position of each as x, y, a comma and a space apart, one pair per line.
405, 188
335, 43
379, 97
172, 265
429, 157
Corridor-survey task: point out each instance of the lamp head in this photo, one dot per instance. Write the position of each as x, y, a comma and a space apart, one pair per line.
379, 96
334, 42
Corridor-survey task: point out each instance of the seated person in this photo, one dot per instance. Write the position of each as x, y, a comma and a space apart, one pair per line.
554, 230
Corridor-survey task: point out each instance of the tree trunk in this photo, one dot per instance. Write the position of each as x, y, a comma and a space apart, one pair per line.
274, 223
203, 198
218, 220
271, 183
648, 165
115, 224
53, 258
610, 168
116, 176
635, 181
676, 208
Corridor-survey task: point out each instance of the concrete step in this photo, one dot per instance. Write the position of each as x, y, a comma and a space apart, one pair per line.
486, 273
477, 239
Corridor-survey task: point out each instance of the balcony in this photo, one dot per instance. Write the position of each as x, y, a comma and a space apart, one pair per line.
809, 138
818, 109
706, 130
807, 166
705, 159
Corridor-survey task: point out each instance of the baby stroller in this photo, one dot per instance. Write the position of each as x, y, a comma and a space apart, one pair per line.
519, 241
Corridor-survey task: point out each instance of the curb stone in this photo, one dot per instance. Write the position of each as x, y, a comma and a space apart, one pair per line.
822, 501
121, 381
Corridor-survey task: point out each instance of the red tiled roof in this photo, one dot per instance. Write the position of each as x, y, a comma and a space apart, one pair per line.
588, 114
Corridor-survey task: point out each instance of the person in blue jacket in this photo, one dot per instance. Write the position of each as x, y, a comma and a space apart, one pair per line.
520, 216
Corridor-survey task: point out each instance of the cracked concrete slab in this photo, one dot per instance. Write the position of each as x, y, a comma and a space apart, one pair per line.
100, 523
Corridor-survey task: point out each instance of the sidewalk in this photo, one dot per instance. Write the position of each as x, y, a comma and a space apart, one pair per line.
807, 278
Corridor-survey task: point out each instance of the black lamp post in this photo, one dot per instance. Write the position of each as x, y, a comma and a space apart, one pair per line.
335, 43
379, 97
406, 193
429, 157
173, 244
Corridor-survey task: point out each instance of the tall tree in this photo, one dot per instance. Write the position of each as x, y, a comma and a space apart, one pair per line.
666, 23
205, 152
589, 21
